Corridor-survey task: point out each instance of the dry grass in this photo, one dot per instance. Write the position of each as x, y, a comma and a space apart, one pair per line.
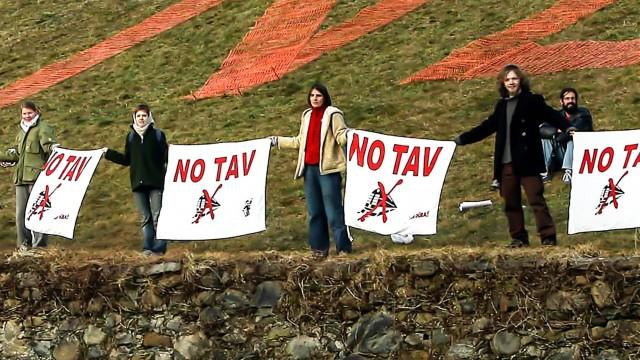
91, 110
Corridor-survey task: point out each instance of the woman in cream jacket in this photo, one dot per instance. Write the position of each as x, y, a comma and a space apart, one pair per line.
321, 158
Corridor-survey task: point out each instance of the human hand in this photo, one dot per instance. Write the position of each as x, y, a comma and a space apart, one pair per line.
12, 152
274, 140
54, 146
457, 140
104, 150
6, 164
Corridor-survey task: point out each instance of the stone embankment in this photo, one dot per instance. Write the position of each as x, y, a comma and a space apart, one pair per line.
425, 305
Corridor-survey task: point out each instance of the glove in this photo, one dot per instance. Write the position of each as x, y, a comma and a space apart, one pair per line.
274, 140
6, 164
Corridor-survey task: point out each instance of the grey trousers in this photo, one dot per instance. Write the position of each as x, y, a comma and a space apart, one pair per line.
26, 237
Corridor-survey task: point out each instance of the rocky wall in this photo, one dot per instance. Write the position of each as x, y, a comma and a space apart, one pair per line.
521, 305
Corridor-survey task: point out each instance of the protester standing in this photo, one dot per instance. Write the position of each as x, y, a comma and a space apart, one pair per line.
34, 142
321, 159
518, 159
145, 152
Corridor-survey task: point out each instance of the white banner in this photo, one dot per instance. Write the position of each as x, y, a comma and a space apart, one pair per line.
394, 183
604, 191
214, 191
56, 196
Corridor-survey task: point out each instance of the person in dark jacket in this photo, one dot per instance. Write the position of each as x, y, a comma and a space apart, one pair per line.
579, 119
145, 152
518, 159
33, 144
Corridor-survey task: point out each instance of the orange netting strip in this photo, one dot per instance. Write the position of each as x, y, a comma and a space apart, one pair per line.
573, 55
366, 21
552, 20
62, 70
269, 48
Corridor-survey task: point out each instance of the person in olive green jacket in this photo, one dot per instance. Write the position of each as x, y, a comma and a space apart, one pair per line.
32, 146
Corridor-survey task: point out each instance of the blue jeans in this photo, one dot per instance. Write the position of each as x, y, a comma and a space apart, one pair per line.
324, 206
549, 148
148, 202
567, 162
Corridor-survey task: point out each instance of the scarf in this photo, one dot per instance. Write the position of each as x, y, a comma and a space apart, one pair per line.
26, 125
141, 129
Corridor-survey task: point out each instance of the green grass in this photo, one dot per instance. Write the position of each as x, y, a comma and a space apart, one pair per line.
91, 110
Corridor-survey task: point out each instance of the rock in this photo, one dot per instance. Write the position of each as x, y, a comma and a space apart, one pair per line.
112, 320
480, 325
96, 352
12, 329
93, 335
505, 343
582, 280
336, 346
234, 300
439, 338
16, 347
124, 338
161, 268
70, 324
192, 347
33, 321
374, 334
468, 306
414, 339
425, 268
267, 294
42, 349
278, 332
175, 324
236, 339
564, 354
534, 352
170, 282
76, 307
602, 294
210, 316
424, 318
153, 339
68, 350
607, 355
303, 347
151, 301
206, 298
459, 351
95, 306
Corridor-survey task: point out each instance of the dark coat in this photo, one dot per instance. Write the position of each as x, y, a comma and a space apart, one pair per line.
526, 147
146, 157
581, 120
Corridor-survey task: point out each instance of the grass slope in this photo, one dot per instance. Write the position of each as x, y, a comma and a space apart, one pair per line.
91, 109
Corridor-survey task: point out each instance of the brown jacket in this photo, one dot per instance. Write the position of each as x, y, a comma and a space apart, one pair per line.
333, 138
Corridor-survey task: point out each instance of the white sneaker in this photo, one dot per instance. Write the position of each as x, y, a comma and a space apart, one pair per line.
566, 178
402, 238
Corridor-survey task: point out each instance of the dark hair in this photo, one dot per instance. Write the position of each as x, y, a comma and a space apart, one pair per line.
30, 105
566, 90
141, 107
323, 90
525, 85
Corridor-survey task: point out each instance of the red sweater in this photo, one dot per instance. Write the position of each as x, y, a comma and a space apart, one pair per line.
312, 151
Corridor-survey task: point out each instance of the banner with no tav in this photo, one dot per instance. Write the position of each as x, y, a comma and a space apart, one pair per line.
57, 194
394, 183
606, 172
214, 191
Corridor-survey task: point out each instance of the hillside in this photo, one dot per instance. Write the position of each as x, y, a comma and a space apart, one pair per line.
91, 109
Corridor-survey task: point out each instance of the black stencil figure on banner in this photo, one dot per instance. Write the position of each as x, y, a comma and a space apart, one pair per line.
610, 194
246, 210
42, 203
379, 198
207, 204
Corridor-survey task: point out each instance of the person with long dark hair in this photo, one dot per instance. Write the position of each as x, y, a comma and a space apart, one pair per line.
321, 158
145, 152
518, 159
34, 142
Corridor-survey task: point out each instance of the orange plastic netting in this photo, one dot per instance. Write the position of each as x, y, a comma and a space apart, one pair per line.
250, 64
62, 70
498, 45
538, 59
268, 49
